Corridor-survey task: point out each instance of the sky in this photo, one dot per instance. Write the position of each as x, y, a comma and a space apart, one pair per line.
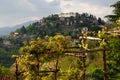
13, 12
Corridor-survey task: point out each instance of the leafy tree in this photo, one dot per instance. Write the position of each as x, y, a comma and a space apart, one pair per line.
113, 57
47, 22
116, 11
97, 74
57, 43
37, 52
4, 70
30, 59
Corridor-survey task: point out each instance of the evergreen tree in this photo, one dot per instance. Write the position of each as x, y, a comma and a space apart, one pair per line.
23, 30
116, 11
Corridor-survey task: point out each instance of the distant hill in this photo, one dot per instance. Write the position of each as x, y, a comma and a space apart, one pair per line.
67, 24
6, 30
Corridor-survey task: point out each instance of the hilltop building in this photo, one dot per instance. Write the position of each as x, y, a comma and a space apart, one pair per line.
67, 14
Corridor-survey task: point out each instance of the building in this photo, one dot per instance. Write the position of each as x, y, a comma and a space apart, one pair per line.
67, 14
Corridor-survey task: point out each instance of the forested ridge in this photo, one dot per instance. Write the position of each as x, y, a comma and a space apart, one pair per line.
51, 25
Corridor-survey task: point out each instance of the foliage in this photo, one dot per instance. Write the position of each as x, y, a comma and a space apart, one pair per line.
39, 54
71, 74
116, 11
5, 55
97, 74
4, 70
30, 58
113, 57
118, 22
34, 54
57, 43
52, 25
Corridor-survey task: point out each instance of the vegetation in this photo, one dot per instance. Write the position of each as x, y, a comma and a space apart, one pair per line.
41, 56
59, 48
116, 12
51, 25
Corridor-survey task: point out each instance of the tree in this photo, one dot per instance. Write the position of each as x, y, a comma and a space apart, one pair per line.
4, 70
113, 57
116, 12
37, 52
30, 59
100, 21
23, 30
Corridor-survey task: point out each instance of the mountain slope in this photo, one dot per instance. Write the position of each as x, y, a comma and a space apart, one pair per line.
51, 25
6, 30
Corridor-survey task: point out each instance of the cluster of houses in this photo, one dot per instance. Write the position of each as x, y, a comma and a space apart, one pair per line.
65, 18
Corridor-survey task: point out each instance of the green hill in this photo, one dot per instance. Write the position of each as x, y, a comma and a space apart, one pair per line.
69, 24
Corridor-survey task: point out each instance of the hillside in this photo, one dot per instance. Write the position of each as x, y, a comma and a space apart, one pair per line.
65, 55
68, 24
4, 31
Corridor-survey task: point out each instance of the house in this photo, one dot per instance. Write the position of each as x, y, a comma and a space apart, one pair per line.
6, 43
67, 14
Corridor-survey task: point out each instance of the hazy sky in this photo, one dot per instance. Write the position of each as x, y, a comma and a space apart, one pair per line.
14, 12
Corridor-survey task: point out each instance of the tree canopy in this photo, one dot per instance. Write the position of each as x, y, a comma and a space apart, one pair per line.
116, 12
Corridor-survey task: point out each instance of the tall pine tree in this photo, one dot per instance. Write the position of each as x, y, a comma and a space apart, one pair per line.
116, 12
